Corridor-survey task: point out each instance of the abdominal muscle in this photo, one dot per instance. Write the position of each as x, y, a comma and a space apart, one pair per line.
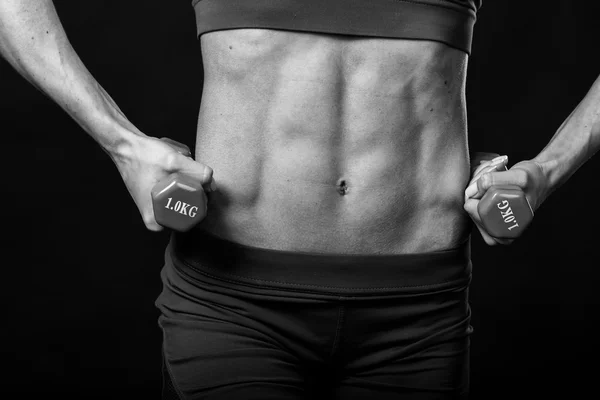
334, 144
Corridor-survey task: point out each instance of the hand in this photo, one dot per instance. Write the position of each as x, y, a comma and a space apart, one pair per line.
148, 161
527, 175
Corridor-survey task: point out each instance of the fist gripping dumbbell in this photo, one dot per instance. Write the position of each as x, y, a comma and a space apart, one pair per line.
178, 200
504, 209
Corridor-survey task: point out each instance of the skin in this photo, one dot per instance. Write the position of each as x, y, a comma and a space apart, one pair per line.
334, 144
319, 143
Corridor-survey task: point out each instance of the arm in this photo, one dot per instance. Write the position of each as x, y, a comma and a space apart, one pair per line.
575, 141
34, 42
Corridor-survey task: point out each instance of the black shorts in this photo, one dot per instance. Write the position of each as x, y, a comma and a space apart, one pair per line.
245, 323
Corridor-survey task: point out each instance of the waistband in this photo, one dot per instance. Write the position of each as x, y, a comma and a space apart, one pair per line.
201, 255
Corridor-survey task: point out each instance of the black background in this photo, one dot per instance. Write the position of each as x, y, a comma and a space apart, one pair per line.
80, 273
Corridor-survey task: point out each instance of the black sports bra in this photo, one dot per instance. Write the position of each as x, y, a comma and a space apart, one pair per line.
447, 21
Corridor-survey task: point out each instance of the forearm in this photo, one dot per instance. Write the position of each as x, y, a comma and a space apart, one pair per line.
575, 141
34, 42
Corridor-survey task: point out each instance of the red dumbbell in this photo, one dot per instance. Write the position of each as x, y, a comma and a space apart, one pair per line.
179, 201
504, 209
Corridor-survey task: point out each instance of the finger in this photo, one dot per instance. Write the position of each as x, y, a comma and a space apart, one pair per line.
150, 221
488, 161
480, 169
517, 177
146, 208
498, 163
474, 190
143, 200
210, 186
196, 170
486, 237
471, 189
471, 208
477, 158
177, 146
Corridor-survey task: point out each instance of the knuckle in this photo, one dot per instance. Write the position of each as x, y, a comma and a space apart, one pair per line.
486, 181
468, 207
468, 204
208, 173
479, 169
149, 221
154, 228
488, 239
170, 161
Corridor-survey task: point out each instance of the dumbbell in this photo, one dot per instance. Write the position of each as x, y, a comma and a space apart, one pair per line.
504, 209
178, 200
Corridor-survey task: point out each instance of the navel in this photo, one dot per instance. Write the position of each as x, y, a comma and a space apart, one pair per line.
342, 187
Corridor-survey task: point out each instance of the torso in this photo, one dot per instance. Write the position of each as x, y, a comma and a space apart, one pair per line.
334, 144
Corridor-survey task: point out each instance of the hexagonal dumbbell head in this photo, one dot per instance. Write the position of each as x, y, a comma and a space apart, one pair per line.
179, 202
505, 211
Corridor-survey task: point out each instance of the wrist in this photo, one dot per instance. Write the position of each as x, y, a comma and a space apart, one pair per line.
552, 170
119, 140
